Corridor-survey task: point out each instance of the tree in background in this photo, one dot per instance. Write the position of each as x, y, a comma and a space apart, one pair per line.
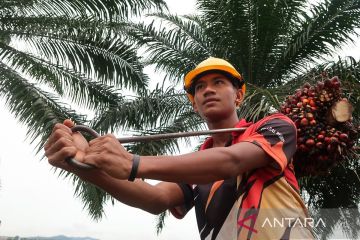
58, 55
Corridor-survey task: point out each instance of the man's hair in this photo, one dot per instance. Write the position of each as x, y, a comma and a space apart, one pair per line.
237, 83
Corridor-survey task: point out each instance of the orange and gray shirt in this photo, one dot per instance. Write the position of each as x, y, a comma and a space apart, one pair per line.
261, 204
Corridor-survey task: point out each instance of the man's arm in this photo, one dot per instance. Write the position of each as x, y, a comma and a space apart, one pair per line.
272, 141
199, 167
140, 194
62, 144
205, 166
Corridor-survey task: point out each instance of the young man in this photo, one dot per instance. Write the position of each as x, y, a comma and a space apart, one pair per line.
240, 184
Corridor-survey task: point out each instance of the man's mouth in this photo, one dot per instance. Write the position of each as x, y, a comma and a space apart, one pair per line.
210, 100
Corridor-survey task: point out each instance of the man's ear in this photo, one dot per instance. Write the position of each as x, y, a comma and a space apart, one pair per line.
194, 106
239, 97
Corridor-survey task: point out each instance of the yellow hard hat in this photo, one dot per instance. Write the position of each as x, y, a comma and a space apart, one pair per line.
211, 63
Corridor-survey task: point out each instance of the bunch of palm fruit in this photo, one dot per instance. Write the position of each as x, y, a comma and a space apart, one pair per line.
325, 131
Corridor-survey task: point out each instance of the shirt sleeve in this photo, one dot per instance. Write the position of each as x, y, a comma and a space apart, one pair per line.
180, 211
276, 135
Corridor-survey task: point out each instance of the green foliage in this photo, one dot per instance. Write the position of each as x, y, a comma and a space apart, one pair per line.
58, 55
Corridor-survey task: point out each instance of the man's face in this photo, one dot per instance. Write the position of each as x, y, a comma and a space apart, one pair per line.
215, 97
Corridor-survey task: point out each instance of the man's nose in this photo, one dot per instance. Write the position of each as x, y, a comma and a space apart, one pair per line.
209, 89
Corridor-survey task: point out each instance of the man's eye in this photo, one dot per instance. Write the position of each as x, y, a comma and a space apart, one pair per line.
219, 81
199, 86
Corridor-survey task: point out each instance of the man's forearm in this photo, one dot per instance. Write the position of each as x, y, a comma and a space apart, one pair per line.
151, 198
204, 166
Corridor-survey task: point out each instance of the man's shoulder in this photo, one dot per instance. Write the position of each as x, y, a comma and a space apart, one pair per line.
275, 118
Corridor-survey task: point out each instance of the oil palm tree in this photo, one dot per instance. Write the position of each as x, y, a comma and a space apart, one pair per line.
58, 55
277, 45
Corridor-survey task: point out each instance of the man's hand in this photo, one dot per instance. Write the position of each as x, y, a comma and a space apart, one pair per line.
107, 154
63, 144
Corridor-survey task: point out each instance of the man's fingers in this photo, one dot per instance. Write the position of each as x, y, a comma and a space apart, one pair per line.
58, 143
56, 133
69, 123
92, 159
94, 149
102, 139
61, 126
64, 153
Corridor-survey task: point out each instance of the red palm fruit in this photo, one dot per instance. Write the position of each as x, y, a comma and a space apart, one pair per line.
306, 85
310, 142
334, 140
299, 105
312, 103
335, 79
302, 98
305, 101
319, 86
298, 93
343, 137
300, 139
320, 137
319, 145
303, 148
310, 116
304, 122
327, 140
327, 83
313, 122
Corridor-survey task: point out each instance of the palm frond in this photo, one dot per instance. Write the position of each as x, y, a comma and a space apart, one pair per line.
110, 61
161, 221
38, 109
93, 197
65, 82
151, 109
169, 49
107, 10
330, 25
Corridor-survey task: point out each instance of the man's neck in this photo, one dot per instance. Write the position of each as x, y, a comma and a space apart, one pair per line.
221, 139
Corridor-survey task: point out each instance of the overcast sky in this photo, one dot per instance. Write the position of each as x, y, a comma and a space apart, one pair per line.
35, 202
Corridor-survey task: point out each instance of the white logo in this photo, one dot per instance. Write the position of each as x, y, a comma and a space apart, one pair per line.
292, 222
277, 133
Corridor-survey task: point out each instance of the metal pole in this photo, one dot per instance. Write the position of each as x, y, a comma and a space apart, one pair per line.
157, 137
147, 138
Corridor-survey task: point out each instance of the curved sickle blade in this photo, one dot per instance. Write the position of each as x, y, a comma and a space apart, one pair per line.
93, 133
